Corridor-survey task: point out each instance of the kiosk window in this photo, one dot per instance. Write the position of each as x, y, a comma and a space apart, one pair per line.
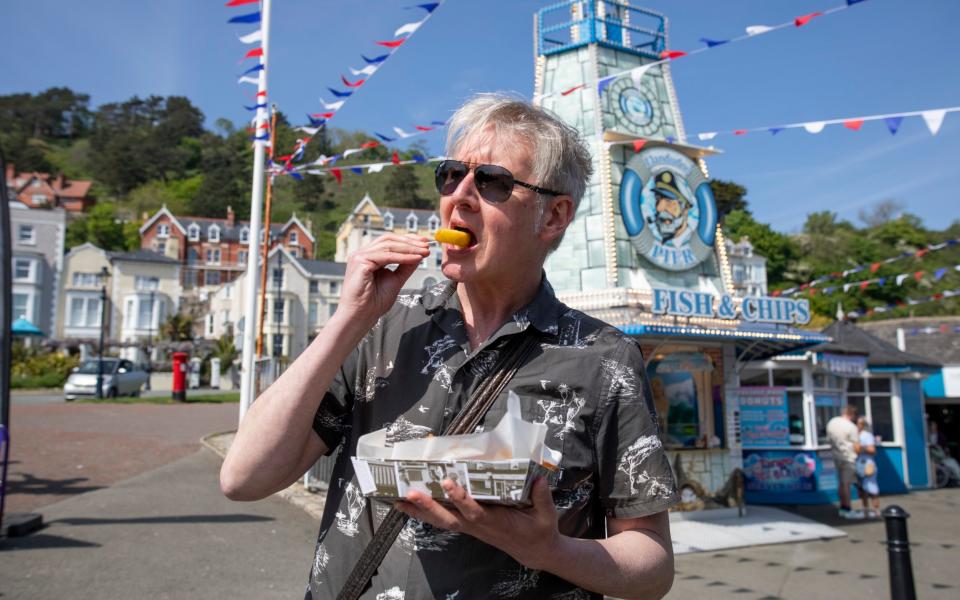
795, 416
874, 400
757, 377
682, 385
788, 377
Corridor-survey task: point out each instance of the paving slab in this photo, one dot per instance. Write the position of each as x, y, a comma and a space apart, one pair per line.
167, 533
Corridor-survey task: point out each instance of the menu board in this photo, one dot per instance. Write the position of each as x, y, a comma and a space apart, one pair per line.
763, 416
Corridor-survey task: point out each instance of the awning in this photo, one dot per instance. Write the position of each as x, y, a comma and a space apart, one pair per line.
24, 327
752, 342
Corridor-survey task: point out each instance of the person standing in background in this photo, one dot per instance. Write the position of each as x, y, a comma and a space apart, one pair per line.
867, 470
845, 444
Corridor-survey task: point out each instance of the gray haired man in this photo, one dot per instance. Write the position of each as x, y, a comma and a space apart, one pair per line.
513, 182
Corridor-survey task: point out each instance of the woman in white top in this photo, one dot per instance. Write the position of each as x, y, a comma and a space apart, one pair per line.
866, 469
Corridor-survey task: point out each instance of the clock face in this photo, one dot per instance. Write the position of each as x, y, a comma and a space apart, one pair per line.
636, 110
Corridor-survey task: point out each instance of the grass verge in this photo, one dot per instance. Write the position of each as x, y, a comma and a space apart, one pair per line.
191, 399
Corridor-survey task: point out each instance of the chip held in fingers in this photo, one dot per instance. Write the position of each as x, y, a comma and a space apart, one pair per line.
452, 236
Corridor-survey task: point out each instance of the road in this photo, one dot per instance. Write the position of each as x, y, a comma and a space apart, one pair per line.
54, 396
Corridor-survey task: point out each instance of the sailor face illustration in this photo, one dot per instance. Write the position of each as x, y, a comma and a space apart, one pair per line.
672, 207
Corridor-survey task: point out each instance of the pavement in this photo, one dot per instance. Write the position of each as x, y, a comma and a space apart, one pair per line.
132, 508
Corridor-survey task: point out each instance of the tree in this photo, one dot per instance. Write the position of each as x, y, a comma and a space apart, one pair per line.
402, 189
880, 213
178, 328
729, 196
103, 229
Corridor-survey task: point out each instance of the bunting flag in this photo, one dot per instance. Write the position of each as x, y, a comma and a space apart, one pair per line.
709, 44
254, 53
872, 267
367, 168
898, 280
252, 38
250, 18
939, 296
930, 330
241, 2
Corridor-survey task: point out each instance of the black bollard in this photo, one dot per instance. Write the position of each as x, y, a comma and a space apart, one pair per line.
898, 551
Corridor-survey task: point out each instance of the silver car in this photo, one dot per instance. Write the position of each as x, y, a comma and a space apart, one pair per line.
120, 378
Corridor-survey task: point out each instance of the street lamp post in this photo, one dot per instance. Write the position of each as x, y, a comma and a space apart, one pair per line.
104, 275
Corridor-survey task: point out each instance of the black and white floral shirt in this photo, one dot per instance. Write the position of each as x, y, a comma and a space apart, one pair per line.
414, 371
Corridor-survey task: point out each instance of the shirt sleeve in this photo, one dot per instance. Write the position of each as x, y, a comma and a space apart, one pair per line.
635, 478
332, 418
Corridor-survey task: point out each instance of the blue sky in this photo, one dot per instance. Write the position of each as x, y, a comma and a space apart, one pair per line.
880, 56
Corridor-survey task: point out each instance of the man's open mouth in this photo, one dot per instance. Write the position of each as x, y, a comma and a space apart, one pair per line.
468, 231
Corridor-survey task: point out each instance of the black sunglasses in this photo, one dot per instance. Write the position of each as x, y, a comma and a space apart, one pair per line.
494, 183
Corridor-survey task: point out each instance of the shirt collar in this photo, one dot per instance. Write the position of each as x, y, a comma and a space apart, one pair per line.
543, 312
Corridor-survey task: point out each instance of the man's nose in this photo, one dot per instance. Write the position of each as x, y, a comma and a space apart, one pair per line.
466, 194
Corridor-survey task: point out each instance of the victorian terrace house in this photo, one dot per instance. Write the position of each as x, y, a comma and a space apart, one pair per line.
40, 190
214, 251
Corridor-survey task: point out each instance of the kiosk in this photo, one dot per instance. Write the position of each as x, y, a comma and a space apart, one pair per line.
645, 251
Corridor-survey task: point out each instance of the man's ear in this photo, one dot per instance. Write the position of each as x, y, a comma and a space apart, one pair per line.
557, 215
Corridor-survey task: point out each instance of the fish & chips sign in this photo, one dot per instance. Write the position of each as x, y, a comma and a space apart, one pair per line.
756, 309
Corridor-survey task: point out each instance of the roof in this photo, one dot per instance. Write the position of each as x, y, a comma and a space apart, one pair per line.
142, 256
323, 267
752, 341
422, 213
850, 339
227, 233
932, 337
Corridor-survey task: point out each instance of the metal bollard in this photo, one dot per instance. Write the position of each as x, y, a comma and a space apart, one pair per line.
898, 551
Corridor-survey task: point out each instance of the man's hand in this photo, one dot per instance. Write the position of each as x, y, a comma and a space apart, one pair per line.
369, 290
529, 535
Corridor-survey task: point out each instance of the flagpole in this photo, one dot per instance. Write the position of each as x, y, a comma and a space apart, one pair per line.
256, 196
266, 238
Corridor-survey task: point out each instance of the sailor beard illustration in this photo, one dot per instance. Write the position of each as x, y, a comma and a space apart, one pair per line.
672, 208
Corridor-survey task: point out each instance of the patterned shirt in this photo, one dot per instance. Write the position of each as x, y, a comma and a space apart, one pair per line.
412, 374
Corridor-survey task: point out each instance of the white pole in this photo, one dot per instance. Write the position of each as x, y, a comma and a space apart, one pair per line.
901, 340
256, 201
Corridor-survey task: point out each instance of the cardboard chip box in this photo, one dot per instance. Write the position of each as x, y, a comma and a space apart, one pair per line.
496, 467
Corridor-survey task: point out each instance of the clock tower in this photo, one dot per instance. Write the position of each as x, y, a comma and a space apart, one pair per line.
648, 218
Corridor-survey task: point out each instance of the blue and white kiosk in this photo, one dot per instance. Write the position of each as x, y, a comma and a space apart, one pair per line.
645, 251
786, 454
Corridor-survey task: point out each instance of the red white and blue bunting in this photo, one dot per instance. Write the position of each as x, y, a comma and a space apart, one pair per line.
666, 56
938, 297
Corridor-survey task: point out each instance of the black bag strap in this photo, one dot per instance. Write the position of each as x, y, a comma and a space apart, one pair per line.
515, 353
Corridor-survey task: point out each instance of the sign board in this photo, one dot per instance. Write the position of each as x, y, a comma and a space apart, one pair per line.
668, 209
844, 365
763, 416
755, 309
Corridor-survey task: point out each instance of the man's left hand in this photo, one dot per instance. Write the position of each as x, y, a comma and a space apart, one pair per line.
529, 535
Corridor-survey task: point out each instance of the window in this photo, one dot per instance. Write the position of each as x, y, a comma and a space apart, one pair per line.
35, 183
277, 344
412, 223
21, 306
245, 235
331, 308
755, 377
825, 407
874, 400
788, 377
278, 306
295, 252
209, 325
38, 198
277, 278
22, 268
83, 310
433, 223
294, 238
213, 256
189, 279
213, 278
213, 233
682, 385
388, 221
87, 279
145, 314
438, 258
314, 287
144, 283
162, 248
193, 232
242, 257
163, 230
312, 315
334, 287
26, 234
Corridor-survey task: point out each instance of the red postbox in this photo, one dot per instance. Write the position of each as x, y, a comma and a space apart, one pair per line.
180, 376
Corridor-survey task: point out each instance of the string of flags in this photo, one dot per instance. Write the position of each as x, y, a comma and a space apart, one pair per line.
373, 64
666, 56
261, 132
930, 330
872, 267
938, 297
881, 281
933, 118
338, 172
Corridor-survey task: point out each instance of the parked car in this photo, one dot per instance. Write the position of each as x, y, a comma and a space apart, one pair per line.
120, 378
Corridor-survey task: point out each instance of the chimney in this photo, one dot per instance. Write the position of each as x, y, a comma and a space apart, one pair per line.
11, 172
58, 182
231, 217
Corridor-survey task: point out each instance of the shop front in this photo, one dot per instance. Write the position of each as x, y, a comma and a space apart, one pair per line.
787, 401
